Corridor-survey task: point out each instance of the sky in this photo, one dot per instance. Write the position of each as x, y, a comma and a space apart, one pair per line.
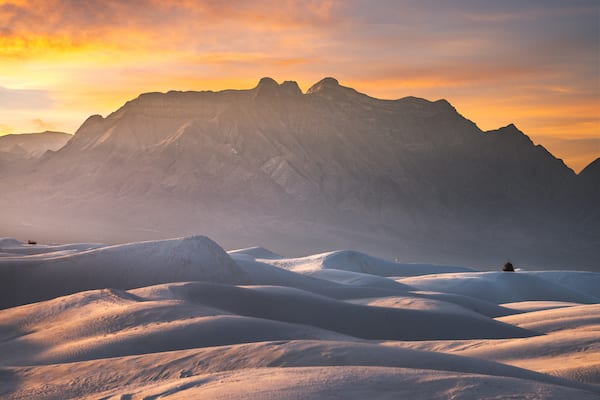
531, 63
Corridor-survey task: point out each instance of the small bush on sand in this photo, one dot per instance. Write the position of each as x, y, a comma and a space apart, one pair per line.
508, 267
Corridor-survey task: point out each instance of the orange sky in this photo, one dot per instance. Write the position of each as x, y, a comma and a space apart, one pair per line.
531, 63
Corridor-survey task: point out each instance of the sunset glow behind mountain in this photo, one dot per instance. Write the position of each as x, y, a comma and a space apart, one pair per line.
533, 64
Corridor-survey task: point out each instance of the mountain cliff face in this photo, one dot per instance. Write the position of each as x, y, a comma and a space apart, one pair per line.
329, 168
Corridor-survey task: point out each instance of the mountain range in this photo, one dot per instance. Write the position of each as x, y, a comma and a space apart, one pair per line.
410, 179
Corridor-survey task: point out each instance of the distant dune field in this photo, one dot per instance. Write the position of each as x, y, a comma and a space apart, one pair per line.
183, 318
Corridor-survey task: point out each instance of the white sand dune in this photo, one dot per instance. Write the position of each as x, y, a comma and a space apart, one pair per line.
528, 306
6, 257
414, 303
504, 287
384, 287
482, 307
9, 242
570, 348
573, 354
585, 282
120, 267
358, 279
293, 305
351, 383
355, 261
100, 324
256, 252
557, 319
182, 318
259, 272
16, 248
112, 323
143, 373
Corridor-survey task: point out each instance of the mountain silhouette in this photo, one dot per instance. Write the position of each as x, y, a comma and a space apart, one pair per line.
330, 168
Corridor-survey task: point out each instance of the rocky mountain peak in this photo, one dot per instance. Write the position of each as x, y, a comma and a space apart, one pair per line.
267, 82
511, 132
269, 88
291, 88
325, 83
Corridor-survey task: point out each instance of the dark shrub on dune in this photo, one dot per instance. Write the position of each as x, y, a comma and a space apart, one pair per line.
508, 267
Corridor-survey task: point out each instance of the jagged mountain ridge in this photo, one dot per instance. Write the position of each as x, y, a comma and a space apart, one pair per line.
406, 168
304, 143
